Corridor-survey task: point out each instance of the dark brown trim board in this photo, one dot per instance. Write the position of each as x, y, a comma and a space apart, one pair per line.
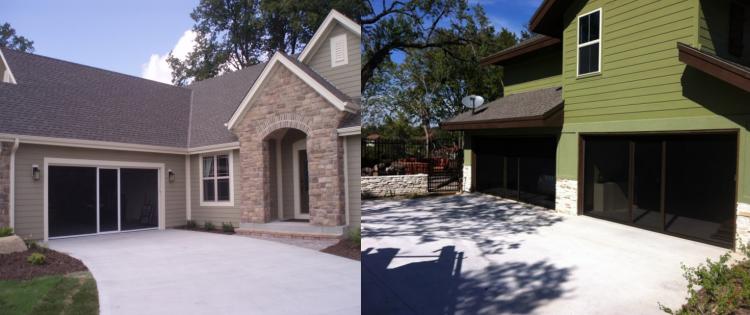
719, 68
529, 46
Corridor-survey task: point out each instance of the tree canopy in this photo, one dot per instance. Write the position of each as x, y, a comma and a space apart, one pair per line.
234, 34
9, 39
438, 71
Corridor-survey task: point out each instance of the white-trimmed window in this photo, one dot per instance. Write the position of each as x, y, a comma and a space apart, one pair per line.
590, 43
216, 179
339, 51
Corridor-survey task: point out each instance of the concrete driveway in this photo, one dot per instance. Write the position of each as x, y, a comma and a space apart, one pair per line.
479, 254
183, 272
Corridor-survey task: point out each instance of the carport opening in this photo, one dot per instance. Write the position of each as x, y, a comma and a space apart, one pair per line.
72, 200
139, 198
679, 184
517, 168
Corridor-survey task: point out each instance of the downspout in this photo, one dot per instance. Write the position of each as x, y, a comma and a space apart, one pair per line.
346, 180
188, 192
12, 203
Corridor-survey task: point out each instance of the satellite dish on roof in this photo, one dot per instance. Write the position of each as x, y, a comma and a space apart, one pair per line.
473, 101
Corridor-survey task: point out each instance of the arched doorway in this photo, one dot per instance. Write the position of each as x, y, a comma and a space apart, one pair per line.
289, 175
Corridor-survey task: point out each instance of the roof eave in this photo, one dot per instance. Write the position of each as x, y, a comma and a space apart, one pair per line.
552, 118
511, 53
548, 18
714, 66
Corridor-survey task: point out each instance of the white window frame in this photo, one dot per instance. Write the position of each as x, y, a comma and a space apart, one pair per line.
215, 202
593, 42
334, 41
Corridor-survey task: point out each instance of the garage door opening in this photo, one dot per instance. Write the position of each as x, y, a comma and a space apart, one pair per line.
682, 185
92, 200
517, 168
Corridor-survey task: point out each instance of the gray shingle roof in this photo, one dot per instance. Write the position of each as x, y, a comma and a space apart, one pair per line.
55, 98
351, 120
214, 102
516, 106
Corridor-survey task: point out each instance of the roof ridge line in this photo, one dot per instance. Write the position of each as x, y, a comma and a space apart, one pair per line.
94, 68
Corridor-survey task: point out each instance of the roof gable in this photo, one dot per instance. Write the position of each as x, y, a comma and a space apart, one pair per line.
333, 18
320, 85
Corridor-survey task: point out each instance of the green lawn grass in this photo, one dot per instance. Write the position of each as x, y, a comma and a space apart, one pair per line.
70, 294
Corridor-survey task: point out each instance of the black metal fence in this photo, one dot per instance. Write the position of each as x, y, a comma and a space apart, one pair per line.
442, 161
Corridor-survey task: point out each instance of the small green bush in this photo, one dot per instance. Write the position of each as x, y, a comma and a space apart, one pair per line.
37, 259
716, 287
191, 224
227, 227
209, 226
355, 236
6, 231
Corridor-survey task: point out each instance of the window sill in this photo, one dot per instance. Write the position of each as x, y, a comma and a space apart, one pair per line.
588, 75
217, 203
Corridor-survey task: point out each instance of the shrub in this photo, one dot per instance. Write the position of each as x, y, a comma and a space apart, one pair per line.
209, 226
191, 224
31, 245
227, 227
355, 236
6, 231
37, 259
716, 287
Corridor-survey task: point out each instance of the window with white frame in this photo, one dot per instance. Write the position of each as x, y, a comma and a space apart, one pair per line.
589, 42
216, 183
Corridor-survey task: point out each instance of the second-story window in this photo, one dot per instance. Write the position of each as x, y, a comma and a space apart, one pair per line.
736, 28
589, 42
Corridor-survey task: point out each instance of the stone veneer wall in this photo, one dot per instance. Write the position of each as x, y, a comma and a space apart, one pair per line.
467, 178
288, 102
566, 196
390, 186
5, 151
743, 223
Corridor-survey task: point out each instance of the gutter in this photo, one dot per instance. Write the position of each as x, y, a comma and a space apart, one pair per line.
12, 203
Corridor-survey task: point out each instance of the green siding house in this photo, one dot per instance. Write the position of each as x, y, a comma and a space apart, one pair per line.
636, 112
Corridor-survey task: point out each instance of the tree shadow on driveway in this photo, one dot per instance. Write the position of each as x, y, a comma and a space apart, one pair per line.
486, 220
435, 285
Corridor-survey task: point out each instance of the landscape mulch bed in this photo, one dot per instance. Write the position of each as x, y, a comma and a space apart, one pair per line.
345, 248
216, 231
15, 267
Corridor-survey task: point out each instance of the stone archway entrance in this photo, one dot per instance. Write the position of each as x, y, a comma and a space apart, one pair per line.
289, 175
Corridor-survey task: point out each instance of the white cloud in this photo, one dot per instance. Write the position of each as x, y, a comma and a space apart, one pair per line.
157, 68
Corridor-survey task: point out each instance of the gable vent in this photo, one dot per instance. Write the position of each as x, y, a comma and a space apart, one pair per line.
339, 55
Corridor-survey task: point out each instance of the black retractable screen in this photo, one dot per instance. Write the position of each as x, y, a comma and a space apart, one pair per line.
139, 198
72, 200
517, 168
678, 184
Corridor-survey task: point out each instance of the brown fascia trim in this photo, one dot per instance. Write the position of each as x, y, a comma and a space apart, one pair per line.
552, 118
540, 13
714, 66
510, 53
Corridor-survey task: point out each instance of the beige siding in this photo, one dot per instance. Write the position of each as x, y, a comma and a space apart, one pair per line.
346, 77
215, 214
353, 156
29, 217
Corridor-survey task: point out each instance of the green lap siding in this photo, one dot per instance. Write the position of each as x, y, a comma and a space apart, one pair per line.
643, 86
536, 71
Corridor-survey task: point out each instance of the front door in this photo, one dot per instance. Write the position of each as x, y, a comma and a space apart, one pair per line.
301, 181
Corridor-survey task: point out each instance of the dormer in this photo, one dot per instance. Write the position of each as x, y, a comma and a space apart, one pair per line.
5, 74
334, 53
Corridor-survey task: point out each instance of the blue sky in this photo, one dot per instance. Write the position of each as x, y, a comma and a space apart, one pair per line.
134, 36
114, 35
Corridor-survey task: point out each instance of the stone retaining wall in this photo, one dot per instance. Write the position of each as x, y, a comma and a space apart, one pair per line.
390, 186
